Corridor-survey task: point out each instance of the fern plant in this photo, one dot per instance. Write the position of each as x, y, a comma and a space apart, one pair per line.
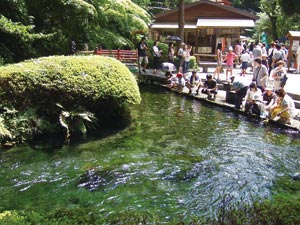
75, 121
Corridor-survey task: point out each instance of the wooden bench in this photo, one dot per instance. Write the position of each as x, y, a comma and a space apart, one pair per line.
204, 56
205, 65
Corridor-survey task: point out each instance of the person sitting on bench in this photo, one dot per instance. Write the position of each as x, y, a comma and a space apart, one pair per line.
209, 87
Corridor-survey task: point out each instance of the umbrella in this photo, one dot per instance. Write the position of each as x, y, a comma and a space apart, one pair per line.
166, 66
174, 38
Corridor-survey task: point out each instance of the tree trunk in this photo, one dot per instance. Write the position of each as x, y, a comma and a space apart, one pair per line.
181, 21
274, 27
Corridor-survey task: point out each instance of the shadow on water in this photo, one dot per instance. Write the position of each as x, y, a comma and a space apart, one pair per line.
179, 158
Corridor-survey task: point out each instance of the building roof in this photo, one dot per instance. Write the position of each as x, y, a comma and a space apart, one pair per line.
294, 34
205, 8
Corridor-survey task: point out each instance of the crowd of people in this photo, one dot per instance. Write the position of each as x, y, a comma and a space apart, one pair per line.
264, 96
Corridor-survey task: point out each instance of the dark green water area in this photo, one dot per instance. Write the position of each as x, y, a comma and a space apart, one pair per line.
178, 159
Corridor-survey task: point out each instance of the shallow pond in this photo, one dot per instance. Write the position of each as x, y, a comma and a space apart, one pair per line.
179, 159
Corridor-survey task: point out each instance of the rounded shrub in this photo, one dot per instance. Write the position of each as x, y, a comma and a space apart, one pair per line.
61, 88
69, 80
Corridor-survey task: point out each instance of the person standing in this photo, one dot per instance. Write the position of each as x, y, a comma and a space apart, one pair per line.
271, 52
171, 53
257, 53
156, 56
219, 62
260, 74
180, 55
229, 62
245, 58
187, 58
278, 76
142, 55
277, 55
238, 51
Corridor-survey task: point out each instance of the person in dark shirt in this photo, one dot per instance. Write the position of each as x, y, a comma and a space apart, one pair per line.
209, 87
142, 55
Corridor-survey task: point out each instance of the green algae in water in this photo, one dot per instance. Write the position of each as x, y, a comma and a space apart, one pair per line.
177, 160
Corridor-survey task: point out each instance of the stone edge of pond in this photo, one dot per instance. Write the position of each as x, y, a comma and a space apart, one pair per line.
220, 102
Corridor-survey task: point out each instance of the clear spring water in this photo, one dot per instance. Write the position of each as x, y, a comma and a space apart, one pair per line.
179, 159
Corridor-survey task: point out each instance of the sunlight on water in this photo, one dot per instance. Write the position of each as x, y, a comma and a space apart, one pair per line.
179, 159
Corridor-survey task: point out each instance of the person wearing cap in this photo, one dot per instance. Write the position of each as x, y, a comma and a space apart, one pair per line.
209, 87
268, 100
180, 81
278, 75
260, 74
193, 81
229, 58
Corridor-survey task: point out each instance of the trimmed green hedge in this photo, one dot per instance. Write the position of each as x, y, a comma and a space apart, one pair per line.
68, 87
67, 80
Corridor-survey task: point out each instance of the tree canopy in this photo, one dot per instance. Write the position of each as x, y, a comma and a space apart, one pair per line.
32, 28
290, 7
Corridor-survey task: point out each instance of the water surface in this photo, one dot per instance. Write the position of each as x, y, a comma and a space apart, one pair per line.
179, 159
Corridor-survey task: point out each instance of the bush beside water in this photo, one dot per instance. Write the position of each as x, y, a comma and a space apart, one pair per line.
42, 90
281, 210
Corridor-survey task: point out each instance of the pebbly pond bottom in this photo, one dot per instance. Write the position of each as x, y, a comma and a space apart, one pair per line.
179, 159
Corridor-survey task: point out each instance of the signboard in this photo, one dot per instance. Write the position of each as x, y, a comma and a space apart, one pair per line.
295, 45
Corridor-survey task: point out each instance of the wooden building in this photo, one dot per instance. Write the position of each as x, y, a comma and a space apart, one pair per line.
206, 24
294, 40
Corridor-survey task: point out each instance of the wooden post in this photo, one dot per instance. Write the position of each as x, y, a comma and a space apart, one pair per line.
290, 54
